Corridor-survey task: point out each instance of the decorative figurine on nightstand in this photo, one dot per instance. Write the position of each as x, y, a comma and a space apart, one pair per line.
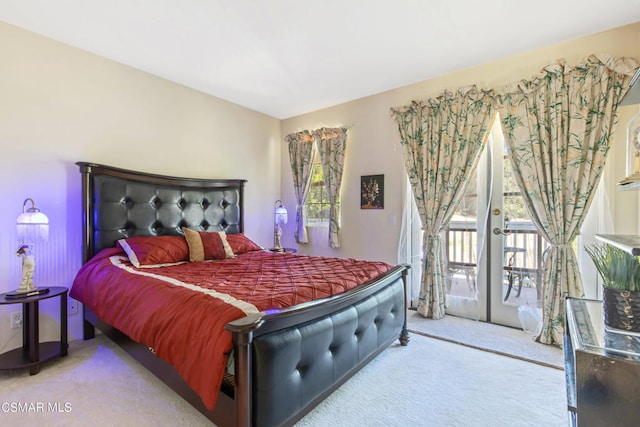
28, 265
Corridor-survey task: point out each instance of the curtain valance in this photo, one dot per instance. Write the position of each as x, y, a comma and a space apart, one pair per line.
597, 63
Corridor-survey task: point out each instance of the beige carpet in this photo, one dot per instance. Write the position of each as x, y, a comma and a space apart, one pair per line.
489, 337
428, 383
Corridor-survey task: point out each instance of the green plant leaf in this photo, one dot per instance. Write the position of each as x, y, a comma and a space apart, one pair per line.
619, 269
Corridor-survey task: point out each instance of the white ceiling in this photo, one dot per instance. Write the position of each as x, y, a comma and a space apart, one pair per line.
288, 57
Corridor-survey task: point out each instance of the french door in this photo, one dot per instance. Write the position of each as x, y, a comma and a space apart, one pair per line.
493, 251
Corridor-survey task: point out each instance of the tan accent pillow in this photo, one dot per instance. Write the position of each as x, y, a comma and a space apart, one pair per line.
227, 247
205, 245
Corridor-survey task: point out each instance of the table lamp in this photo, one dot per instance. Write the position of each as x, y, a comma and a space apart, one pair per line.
32, 226
280, 218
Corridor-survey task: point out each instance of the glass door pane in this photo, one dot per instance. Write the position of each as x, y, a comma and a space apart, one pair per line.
465, 252
523, 248
516, 247
461, 242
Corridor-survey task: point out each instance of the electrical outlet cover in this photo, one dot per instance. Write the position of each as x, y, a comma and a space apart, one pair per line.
16, 320
72, 307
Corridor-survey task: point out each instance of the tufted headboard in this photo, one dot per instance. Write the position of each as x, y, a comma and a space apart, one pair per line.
119, 203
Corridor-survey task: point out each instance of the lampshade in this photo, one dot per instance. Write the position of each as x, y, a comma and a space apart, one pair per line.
280, 214
32, 225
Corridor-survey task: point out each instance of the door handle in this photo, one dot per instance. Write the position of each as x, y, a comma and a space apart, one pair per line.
498, 231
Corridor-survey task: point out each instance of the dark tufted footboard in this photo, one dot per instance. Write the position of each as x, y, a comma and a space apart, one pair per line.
300, 357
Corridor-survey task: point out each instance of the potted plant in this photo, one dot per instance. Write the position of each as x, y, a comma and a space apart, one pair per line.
620, 272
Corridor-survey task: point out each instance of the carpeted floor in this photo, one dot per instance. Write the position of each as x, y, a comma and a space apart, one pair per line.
486, 336
430, 382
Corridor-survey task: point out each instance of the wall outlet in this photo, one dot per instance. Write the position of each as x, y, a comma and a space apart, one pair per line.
16, 320
72, 307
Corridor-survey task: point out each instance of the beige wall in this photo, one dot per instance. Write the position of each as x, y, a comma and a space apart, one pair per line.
59, 105
373, 146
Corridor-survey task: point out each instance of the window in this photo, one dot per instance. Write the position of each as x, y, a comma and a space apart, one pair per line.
513, 204
317, 203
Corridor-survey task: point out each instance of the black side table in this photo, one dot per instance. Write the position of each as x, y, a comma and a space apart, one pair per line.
33, 352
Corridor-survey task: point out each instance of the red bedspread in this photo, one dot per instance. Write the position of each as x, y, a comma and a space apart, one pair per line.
180, 311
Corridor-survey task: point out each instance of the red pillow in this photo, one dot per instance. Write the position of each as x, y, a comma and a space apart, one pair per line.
154, 250
205, 245
241, 244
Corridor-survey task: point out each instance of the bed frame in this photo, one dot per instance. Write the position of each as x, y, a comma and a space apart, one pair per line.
285, 362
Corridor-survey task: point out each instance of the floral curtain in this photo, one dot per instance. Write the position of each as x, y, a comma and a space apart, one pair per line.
301, 150
332, 144
442, 140
558, 127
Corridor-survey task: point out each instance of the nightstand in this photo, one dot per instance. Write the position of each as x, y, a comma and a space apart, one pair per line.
33, 352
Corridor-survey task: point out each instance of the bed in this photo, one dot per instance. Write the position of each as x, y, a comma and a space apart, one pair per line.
283, 358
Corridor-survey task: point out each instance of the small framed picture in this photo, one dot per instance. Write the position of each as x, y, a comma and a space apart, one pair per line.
372, 192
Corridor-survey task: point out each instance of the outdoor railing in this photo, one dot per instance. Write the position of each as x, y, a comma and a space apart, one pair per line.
523, 249
462, 243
